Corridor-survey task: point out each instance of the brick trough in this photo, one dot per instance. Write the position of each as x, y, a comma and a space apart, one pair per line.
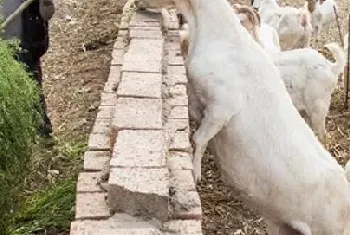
141, 136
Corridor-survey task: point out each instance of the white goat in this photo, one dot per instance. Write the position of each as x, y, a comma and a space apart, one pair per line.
293, 25
310, 80
309, 77
265, 150
263, 33
269, 38
322, 12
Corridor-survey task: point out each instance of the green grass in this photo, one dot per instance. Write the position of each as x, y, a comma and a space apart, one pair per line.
54, 206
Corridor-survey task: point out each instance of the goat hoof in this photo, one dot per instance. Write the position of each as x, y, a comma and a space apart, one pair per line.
197, 173
197, 178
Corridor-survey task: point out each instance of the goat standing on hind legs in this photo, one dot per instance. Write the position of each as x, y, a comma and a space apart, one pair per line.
264, 149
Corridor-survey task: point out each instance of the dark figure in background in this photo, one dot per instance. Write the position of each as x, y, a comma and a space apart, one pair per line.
31, 28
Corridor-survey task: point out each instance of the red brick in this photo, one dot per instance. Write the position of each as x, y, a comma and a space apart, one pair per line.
123, 33
175, 58
108, 99
91, 206
177, 74
141, 85
139, 149
140, 17
119, 43
105, 112
173, 15
138, 191
174, 46
99, 141
102, 125
139, 114
144, 56
117, 57
177, 125
143, 33
186, 205
180, 161
173, 25
113, 80
108, 227
110, 87
114, 74
143, 24
95, 160
179, 101
183, 179
184, 227
179, 91
87, 182
174, 35
190, 214
180, 141
179, 112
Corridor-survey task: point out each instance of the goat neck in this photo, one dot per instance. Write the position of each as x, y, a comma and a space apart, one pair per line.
209, 17
185, 7
265, 4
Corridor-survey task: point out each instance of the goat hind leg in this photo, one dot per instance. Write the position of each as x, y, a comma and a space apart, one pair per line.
215, 117
318, 123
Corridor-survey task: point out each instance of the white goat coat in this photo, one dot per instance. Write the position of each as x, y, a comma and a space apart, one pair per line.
323, 14
308, 76
265, 150
287, 22
310, 80
269, 39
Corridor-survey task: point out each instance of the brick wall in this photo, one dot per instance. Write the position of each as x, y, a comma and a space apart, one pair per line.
141, 134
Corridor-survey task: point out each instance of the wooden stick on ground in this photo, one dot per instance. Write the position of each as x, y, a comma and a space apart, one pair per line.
347, 73
16, 13
338, 24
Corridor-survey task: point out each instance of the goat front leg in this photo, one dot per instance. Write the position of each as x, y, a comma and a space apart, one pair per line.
315, 34
215, 118
318, 124
271, 227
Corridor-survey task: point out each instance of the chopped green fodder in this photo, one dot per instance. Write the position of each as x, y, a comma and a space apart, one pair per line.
52, 208
18, 122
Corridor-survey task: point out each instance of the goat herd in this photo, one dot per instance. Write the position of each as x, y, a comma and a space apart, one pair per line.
250, 72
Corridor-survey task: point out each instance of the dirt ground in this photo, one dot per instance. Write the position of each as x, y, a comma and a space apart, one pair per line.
76, 68
77, 64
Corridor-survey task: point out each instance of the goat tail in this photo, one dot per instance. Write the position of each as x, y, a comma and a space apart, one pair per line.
339, 56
